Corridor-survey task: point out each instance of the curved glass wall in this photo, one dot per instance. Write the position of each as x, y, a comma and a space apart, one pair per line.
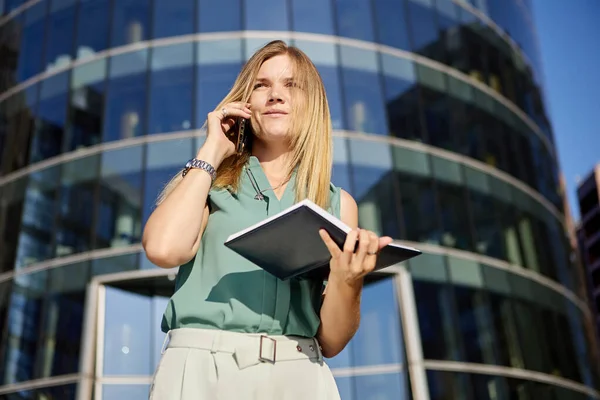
103, 199
441, 135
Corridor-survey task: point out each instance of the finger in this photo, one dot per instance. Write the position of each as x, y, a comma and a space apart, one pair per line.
384, 241
361, 253
350, 243
333, 248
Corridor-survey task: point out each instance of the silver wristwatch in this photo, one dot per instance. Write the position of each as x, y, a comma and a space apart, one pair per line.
195, 163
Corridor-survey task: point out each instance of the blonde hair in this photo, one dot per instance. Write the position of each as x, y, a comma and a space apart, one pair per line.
310, 132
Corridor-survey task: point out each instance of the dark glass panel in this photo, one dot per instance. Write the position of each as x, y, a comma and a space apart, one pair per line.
35, 240
126, 100
419, 209
449, 385
92, 27
25, 315
392, 23
508, 347
354, 19
130, 22
86, 108
210, 16
171, 88
76, 204
474, 313
63, 322
51, 117
163, 161
436, 322
401, 97
32, 40
306, 19
424, 32
17, 122
59, 34
173, 17
120, 208
455, 221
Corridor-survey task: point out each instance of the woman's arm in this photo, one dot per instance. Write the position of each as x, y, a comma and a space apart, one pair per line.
340, 311
173, 231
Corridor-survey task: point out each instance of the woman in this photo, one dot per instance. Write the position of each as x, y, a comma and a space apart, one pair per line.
233, 330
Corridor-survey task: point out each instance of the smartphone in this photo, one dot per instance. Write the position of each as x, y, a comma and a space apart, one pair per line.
241, 136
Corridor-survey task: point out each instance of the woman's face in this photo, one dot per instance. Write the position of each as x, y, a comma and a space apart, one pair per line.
271, 99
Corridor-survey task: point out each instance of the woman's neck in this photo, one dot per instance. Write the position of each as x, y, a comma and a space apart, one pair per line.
274, 157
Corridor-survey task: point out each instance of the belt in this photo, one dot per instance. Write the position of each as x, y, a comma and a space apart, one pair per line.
247, 348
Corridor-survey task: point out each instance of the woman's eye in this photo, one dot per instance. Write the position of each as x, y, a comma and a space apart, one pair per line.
258, 85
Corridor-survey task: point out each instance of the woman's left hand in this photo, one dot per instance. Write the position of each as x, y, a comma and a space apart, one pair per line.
349, 266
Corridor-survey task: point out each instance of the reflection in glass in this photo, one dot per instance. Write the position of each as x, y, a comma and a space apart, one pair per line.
61, 340
76, 205
392, 23
355, 19
92, 28
51, 117
111, 265
381, 386
424, 32
210, 16
127, 338
508, 347
59, 34
456, 230
448, 385
401, 97
266, 15
38, 218
163, 161
32, 39
130, 392
25, 315
419, 209
86, 105
171, 88
379, 338
130, 22
473, 324
305, 19
119, 212
365, 111
435, 311
214, 79
126, 99
173, 17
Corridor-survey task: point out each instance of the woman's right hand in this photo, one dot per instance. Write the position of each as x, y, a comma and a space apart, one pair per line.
220, 137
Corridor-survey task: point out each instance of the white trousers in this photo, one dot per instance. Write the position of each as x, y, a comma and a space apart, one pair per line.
204, 364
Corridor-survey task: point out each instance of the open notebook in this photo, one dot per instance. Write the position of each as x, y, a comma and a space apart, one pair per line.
288, 244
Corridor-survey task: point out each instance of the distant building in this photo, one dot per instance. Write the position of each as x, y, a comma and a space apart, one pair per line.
588, 236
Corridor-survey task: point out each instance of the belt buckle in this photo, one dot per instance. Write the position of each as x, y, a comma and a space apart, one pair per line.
260, 351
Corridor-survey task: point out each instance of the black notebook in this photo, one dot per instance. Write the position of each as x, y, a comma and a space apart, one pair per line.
288, 244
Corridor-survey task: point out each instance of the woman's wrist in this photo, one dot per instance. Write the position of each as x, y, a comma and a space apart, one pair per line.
211, 154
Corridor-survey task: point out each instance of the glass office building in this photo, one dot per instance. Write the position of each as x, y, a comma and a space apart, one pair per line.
441, 134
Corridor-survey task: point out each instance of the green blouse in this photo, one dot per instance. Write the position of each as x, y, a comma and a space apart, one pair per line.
218, 289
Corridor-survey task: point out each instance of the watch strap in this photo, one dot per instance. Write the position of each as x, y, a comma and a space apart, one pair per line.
200, 164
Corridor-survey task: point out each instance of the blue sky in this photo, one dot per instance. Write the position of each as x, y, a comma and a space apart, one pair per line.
569, 38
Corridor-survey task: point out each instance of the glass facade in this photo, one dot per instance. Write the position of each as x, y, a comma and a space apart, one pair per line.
441, 136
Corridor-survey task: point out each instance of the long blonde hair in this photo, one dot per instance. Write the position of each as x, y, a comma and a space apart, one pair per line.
310, 133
